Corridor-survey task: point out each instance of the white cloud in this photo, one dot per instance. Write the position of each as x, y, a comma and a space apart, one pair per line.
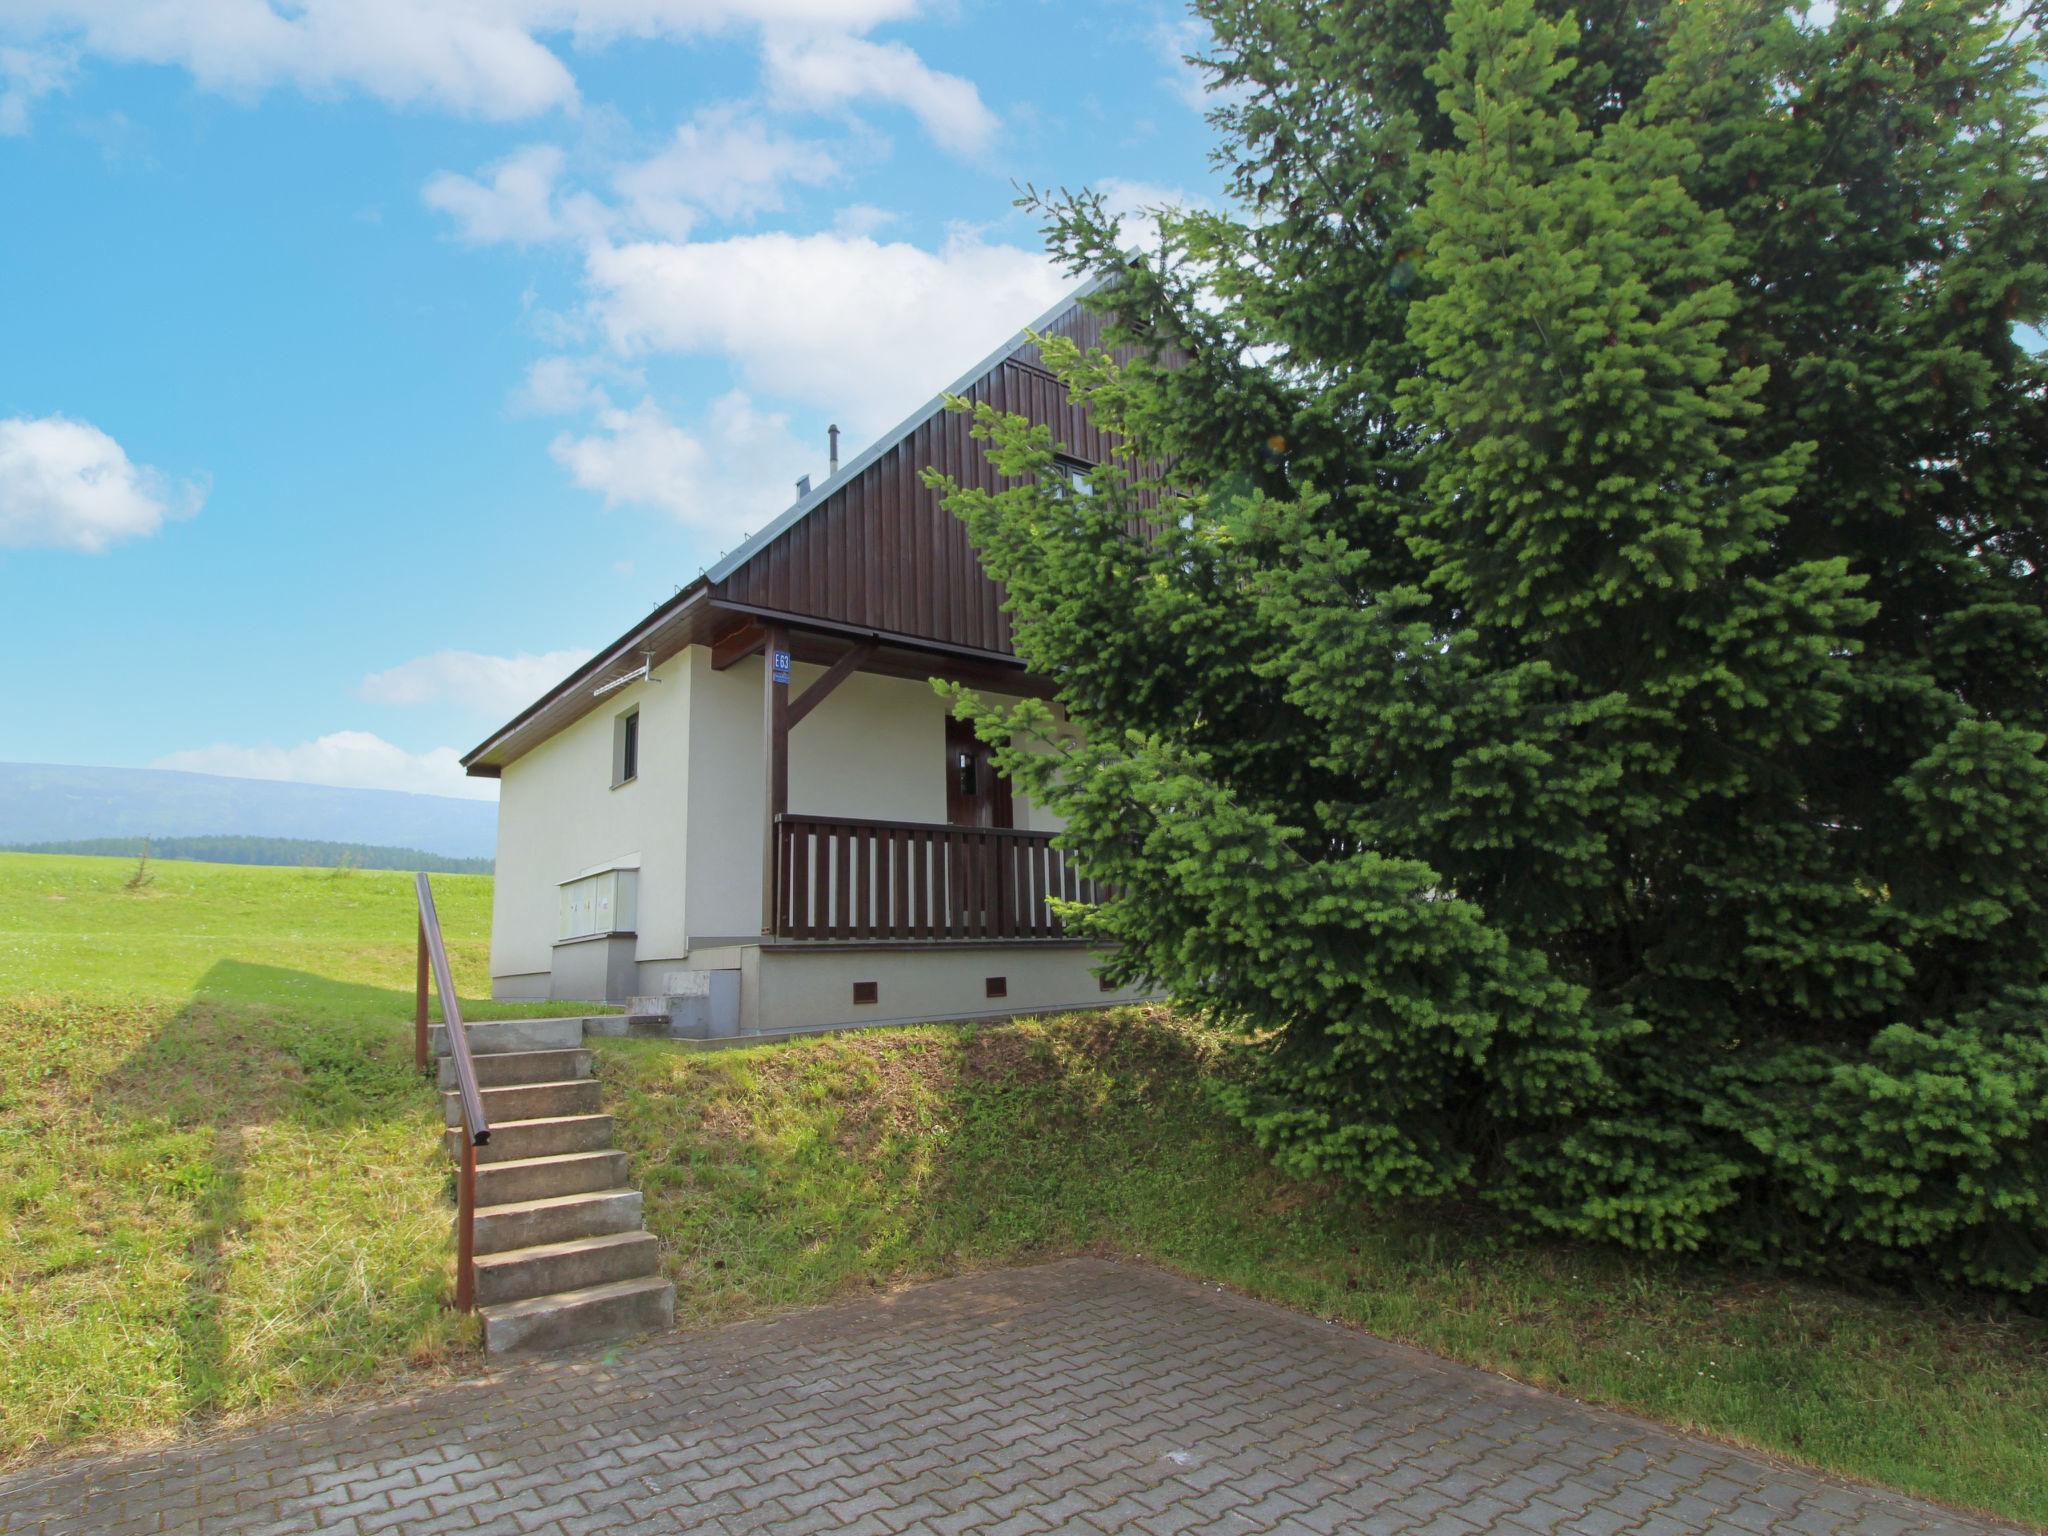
861, 329
863, 219
730, 474
65, 484
484, 58
346, 759
519, 204
479, 59
723, 162
25, 75
1138, 205
824, 72
564, 386
499, 686
1172, 43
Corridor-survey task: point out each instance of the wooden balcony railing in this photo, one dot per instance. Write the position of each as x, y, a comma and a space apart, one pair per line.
475, 1128
839, 877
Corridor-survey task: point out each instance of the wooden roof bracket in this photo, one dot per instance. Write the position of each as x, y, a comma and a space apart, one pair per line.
836, 674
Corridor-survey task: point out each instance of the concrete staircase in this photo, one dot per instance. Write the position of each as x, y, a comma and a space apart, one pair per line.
561, 1257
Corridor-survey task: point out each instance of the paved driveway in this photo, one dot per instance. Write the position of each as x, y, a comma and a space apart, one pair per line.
1082, 1396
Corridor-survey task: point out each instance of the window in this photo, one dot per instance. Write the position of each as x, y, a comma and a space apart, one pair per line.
599, 903
626, 748
1070, 476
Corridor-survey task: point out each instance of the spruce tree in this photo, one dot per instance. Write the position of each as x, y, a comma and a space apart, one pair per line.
1561, 668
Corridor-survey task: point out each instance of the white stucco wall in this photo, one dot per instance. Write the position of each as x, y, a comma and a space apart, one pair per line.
876, 747
693, 818
559, 816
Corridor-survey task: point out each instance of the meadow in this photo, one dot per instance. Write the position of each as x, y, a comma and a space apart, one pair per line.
220, 1190
222, 1196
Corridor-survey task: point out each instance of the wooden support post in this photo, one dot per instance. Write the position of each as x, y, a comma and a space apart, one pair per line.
419, 1002
775, 759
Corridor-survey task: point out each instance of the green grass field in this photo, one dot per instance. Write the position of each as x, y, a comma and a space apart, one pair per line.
221, 1193
219, 1185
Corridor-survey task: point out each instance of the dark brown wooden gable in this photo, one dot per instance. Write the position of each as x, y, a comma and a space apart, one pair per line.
882, 554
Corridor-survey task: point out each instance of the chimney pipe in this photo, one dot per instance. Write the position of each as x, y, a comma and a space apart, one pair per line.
832, 437
803, 486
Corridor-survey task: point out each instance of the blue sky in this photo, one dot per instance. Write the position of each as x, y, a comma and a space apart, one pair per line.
364, 363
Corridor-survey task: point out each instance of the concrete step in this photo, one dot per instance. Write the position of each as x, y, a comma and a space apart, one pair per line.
558, 1219
530, 1101
547, 1137
503, 1069
494, 1035
548, 1268
536, 1178
567, 1319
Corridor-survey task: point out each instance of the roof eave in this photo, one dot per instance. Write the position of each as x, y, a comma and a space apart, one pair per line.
626, 646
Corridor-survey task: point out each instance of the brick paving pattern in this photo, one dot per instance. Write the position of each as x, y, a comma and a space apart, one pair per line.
1082, 1396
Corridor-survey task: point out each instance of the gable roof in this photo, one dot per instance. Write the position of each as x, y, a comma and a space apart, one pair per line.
778, 569
804, 505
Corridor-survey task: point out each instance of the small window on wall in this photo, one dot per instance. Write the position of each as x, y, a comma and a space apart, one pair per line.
600, 903
1071, 477
626, 748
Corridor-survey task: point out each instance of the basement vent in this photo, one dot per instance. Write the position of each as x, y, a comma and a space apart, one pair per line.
998, 986
867, 992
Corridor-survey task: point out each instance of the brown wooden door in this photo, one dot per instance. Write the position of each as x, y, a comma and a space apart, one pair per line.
976, 795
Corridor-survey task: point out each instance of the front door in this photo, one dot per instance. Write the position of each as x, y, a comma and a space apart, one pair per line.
976, 795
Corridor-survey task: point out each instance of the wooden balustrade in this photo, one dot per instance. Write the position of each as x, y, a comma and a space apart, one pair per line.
840, 877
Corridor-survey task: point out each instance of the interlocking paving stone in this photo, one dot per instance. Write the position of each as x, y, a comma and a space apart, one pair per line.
1085, 1396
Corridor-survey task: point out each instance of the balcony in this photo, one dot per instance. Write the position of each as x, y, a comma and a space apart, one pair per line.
839, 877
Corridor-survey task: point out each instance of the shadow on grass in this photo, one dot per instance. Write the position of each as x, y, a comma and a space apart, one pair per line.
263, 1054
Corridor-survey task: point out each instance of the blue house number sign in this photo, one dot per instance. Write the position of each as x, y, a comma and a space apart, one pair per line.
782, 666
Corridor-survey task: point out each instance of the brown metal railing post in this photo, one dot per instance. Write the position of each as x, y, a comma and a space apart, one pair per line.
472, 1124
465, 1228
419, 1003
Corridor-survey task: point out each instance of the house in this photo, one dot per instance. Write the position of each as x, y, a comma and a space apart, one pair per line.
754, 808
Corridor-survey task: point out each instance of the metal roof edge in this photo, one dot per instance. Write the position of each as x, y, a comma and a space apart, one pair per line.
610, 655
798, 510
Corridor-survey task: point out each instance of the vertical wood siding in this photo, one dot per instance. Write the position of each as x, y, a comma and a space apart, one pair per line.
882, 553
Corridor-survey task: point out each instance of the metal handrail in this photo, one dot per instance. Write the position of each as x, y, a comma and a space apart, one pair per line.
476, 1128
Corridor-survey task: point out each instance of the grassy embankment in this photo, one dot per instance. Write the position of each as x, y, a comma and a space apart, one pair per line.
219, 1186
220, 1193
786, 1174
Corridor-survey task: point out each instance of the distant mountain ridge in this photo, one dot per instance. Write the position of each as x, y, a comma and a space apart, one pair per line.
48, 802
287, 852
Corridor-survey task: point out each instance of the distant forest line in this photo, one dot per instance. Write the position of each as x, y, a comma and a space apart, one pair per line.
292, 852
